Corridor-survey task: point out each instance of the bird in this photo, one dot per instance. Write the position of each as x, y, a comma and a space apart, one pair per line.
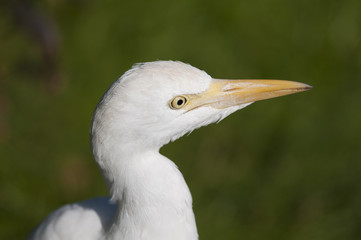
150, 105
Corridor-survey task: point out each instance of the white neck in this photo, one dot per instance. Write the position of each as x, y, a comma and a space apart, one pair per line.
153, 198
156, 202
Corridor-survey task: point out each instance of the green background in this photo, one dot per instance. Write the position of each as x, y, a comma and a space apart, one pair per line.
286, 168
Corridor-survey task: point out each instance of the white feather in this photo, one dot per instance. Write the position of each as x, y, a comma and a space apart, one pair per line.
149, 197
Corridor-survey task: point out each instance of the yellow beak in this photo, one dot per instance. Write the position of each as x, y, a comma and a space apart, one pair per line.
227, 93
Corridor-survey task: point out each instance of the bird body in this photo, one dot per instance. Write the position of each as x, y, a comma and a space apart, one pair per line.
155, 203
83, 220
150, 105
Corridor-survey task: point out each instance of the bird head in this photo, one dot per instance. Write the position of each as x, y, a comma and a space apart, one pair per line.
157, 102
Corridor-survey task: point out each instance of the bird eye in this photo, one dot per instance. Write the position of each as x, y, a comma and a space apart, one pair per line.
178, 102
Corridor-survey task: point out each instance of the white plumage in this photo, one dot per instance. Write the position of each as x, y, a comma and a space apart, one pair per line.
150, 105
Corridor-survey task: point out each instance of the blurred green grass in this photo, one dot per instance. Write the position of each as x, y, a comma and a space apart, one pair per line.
287, 168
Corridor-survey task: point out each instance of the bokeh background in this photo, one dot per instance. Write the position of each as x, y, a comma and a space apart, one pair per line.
286, 168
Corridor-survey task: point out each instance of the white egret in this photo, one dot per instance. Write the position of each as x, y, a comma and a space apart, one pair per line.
150, 105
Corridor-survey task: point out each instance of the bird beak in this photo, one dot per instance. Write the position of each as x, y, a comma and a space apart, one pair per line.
227, 93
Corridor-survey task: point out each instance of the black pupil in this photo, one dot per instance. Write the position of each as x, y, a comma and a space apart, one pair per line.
179, 102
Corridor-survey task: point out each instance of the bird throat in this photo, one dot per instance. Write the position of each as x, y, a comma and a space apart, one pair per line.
154, 201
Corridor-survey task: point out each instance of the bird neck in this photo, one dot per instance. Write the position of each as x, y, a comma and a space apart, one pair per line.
154, 200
